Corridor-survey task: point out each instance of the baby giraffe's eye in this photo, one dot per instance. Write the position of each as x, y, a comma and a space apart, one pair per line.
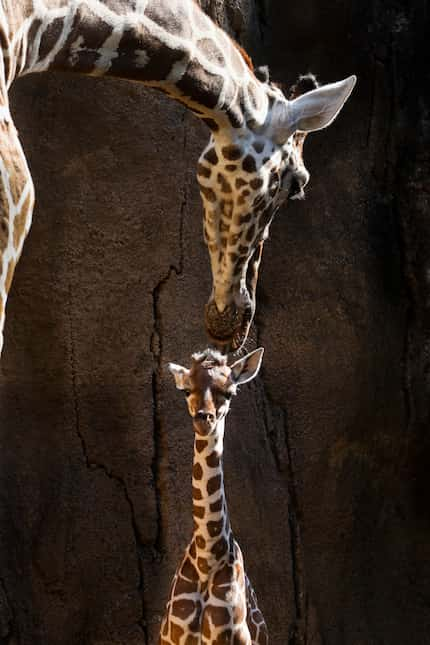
227, 395
187, 392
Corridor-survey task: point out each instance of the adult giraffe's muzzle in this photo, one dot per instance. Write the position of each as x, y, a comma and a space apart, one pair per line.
228, 329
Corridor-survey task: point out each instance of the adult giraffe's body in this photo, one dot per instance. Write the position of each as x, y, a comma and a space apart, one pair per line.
211, 600
253, 159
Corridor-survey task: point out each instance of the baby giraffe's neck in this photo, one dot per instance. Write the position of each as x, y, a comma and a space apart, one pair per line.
212, 534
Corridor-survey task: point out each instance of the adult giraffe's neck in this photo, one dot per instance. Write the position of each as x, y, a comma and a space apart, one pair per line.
212, 533
168, 44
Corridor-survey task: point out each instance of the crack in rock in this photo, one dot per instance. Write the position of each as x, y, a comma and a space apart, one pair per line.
275, 423
156, 347
92, 464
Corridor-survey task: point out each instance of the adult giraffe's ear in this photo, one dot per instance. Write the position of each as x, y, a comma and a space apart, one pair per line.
246, 368
313, 110
180, 374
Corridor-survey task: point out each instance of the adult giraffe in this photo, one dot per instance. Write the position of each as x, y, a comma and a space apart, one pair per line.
254, 157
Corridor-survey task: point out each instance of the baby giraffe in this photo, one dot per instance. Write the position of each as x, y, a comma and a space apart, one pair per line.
211, 599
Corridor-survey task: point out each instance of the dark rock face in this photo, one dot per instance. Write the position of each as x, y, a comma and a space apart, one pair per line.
327, 463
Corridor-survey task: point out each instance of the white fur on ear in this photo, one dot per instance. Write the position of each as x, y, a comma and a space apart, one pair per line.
180, 374
246, 368
313, 110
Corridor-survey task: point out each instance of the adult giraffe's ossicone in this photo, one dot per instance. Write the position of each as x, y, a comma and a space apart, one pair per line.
253, 160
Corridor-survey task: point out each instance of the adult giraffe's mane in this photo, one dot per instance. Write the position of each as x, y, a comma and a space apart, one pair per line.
246, 57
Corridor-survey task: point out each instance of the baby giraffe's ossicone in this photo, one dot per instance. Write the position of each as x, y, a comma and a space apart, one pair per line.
211, 598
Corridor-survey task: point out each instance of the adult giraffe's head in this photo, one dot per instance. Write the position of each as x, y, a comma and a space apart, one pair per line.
245, 175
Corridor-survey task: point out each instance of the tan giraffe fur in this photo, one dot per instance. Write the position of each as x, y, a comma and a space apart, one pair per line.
252, 162
211, 599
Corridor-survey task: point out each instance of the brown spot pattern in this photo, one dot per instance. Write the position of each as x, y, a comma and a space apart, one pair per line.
256, 183
200, 541
203, 565
240, 182
234, 238
213, 484
225, 186
219, 548
10, 272
4, 228
219, 615
189, 571
215, 507
200, 445
197, 471
208, 193
19, 223
232, 152
197, 493
258, 146
203, 171
248, 164
224, 576
198, 511
224, 638
183, 608
199, 84
221, 592
206, 627
244, 219
184, 586
176, 632
50, 36
227, 208
211, 156
215, 528
213, 125
250, 233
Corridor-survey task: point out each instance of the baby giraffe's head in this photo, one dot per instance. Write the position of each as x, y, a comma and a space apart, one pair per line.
210, 383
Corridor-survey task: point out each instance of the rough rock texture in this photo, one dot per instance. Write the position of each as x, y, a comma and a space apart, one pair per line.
327, 461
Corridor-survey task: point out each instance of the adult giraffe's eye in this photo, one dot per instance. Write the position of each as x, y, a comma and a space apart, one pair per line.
227, 395
187, 392
296, 190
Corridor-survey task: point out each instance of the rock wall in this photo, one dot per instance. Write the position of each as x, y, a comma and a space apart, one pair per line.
327, 462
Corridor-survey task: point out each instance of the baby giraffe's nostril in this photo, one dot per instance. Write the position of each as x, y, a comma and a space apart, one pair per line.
204, 416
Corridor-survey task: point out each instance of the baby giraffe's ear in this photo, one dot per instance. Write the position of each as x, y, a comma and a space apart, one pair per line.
246, 368
180, 375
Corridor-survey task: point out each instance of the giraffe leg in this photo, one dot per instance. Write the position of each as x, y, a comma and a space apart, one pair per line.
16, 207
